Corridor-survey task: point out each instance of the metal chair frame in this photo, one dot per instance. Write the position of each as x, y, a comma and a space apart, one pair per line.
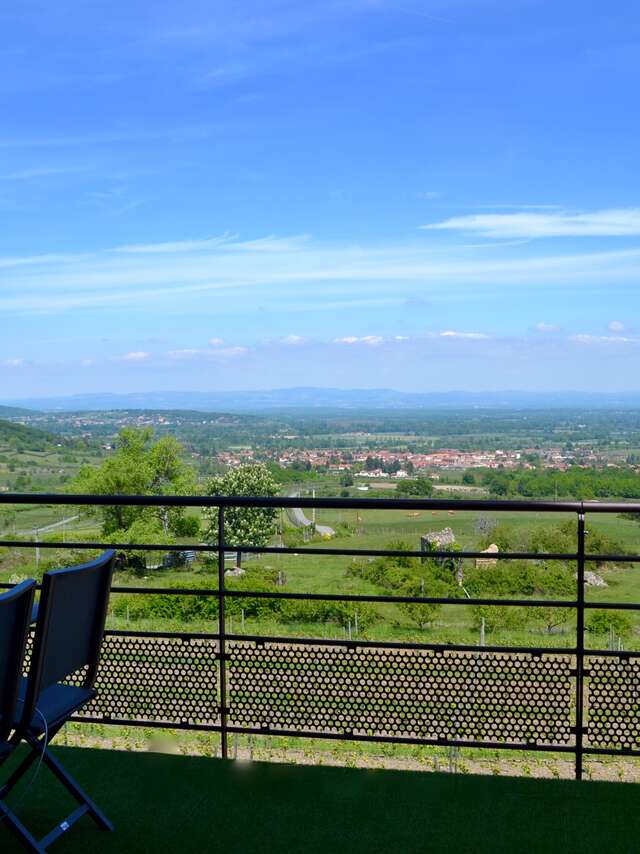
68, 636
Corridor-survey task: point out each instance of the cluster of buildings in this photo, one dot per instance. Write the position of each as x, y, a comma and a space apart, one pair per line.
374, 463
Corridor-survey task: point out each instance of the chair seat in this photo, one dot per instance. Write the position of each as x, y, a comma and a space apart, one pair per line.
56, 703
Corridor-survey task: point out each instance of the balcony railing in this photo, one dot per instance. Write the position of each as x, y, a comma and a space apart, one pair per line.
568, 700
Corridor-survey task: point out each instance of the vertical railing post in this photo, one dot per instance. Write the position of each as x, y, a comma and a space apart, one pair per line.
222, 636
580, 646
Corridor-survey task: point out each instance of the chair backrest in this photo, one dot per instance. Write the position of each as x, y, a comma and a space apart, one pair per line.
70, 626
15, 616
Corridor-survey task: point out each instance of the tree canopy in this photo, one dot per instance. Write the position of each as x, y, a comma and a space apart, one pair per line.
251, 526
140, 466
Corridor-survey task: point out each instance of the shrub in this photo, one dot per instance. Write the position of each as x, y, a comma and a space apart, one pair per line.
318, 611
496, 617
603, 622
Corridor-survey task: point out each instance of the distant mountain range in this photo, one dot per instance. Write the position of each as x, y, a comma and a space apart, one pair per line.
326, 398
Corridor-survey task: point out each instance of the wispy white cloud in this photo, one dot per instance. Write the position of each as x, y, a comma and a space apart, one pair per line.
472, 336
369, 340
15, 362
223, 75
204, 353
547, 327
524, 206
293, 340
175, 246
272, 244
229, 352
602, 339
36, 172
136, 356
225, 242
186, 353
616, 326
274, 59
621, 222
291, 274
112, 137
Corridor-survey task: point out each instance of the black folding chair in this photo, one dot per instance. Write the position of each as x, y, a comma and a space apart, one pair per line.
68, 637
15, 616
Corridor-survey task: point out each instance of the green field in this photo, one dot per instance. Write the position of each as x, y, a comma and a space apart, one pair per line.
365, 529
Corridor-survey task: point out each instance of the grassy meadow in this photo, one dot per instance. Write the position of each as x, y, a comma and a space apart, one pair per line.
335, 575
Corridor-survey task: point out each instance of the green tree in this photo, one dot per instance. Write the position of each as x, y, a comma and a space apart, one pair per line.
602, 622
250, 526
551, 618
421, 487
421, 613
140, 466
496, 617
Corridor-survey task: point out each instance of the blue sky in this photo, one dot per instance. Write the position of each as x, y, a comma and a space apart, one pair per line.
421, 195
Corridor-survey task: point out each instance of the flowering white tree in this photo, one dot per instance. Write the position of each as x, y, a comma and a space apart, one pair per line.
248, 526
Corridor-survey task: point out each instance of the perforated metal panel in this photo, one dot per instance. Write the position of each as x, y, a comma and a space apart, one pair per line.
161, 679
613, 703
404, 693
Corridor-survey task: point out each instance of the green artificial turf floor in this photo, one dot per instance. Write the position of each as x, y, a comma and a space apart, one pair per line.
163, 803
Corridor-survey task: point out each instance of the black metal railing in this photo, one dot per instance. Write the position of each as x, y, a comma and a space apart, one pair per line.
571, 700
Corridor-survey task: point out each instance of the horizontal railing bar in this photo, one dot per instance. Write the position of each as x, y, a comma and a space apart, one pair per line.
150, 724
612, 606
605, 751
523, 746
293, 550
395, 739
147, 724
418, 600
186, 636
620, 653
320, 550
326, 503
365, 597
342, 597
415, 645
444, 554
140, 547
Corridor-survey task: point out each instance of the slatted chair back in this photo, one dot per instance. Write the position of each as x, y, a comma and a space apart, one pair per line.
70, 626
15, 615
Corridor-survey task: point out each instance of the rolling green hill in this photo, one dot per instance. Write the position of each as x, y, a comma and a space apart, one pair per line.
17, 437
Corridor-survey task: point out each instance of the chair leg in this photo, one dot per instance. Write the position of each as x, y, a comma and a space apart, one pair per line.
72, 787
36, 745
20, 831
19, 773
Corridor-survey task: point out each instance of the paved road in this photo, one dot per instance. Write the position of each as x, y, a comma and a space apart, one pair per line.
299, 520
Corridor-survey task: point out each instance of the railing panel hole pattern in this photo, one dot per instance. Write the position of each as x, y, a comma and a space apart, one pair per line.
159, 679
422, 694
613, 703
